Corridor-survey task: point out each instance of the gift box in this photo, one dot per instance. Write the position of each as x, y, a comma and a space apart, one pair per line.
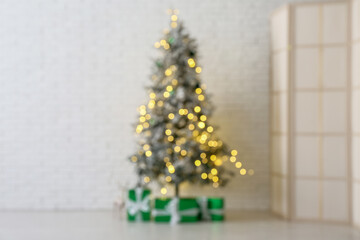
138, 205
176, 210
211, 209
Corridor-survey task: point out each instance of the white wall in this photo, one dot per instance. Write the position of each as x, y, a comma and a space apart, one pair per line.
72, 74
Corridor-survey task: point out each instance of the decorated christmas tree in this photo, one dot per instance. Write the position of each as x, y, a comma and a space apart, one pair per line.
177, 143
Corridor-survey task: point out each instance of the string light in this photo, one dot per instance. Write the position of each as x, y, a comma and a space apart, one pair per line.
203, 118
213, 157
198, 69
174, 17
204, 176
174, 82
171, 169
152, 95
215, 185
157, 45
218, 162
166, 46
168, 132
197, 163
147, 116
166, 94
134, 159
232, 159
197, 109
146, 125
234, 152
160, 103
243, 171
146, 147
214, 171
215, 179
146, 179
151, 104
201, 125
177, 148
191, 62
203, 155
201, 97
173, 24
168, 72
169, 88
162, 42
148, 153
190, 116
198, 90
171, 116
238, 165
191, 127
170, 138
139, 128
183, 152
205, 161
163, 191
168, 179
142, 119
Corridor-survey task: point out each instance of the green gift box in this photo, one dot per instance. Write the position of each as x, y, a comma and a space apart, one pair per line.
176, 210
138, 205
211, 208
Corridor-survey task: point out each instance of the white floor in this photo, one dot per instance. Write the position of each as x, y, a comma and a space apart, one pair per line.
105, 226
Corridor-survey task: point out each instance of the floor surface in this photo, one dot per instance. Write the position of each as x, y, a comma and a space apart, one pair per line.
104, 225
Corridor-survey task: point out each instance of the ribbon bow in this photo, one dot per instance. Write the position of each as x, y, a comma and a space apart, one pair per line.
139, 205
172, 209
205, 211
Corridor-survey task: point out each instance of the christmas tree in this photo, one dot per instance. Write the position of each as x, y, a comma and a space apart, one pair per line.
177, 143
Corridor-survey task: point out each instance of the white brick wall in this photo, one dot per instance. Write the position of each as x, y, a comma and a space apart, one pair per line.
72, 74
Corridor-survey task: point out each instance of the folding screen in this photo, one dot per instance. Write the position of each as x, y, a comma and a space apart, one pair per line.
310, 109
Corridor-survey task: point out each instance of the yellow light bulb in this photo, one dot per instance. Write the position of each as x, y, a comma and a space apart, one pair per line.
146, 125
177, 148
170, 138
163, 191
234, 152
197, 109
162, 42
166, 46
139, 128
183, 152
205, 160
210, 129
213, 157
215, 179
168, 72
157, 45
134, 158
203, 118
218, 162
173, 24
214, 171
201, 97
203, 155
148, 153
147, 116
197, 163
142, 119
146, 147
238, 165
190, 116
166, 159
181, 111
195, 133
243, 171
169, 88
191, 62
174, 82
152, 95
171, 116
215, 185
168, 178
166, 94
168, 132
232, 159
146, 179
204, 176
174, 17
198, 90
171, 169
160, 103
191, 127
201, 125
198, 69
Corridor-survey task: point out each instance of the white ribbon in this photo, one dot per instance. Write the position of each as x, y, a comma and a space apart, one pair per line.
139, 205
172, 209
205, 211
